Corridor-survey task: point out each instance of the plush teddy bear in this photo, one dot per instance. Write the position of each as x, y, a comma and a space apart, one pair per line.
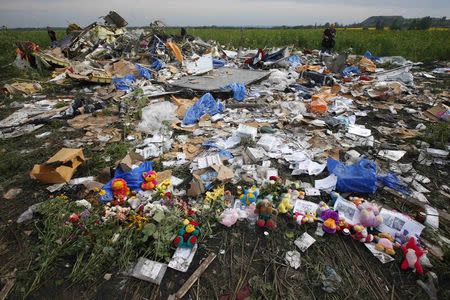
285, 204
120, 191
356, 200
370, 214
266, 213
385, 243
149, 180
304, 217
413, 253
188, 234
249, 196
322, 207
343, 226
330, 220
361, 234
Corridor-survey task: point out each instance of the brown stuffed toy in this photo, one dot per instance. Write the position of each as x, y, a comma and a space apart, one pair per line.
266, 214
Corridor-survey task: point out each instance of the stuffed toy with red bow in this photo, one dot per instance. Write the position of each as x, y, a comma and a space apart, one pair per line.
361, 234
120, 191
149, 180
413, 253
188, 234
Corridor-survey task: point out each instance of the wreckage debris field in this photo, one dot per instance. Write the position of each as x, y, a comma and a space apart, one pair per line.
138, 163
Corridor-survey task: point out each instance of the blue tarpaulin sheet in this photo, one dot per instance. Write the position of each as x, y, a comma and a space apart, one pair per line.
205, 105
133, 178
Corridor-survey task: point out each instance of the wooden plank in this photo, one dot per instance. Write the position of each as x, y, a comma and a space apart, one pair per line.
193, 278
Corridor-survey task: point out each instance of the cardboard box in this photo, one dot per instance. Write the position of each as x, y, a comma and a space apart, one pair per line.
60, 167
224, 174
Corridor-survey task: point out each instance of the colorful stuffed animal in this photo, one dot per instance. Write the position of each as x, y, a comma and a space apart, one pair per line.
149, 180
356, 200
413, 253
249, 196
285, 204
330, 220
266, 213
322, 207
343, 226
187, 235
120, 191
370, 214
296, 194
361, 234
385, 243
302, 217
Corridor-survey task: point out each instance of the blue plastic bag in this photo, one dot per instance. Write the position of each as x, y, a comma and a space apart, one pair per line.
124, 83
350, 70
157, 64
205, 105
239, 90
294, 60
369, 55
361, 177
217, 63
391, 180
133, 178
144, 72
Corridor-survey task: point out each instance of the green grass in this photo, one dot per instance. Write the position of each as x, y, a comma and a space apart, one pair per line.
416, 45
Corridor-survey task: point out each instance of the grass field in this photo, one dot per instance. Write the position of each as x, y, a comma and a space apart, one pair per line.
416, 45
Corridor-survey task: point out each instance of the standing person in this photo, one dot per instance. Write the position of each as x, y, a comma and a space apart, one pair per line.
183, 33
51, 34
328, 39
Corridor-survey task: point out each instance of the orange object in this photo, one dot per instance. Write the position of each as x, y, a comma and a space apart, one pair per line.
175, 50
325, 96
318, 106
366, 65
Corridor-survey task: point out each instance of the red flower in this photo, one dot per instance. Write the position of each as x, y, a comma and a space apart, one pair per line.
74, 218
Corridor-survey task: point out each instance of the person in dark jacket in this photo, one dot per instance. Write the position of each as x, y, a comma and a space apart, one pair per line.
51, 34
328, 39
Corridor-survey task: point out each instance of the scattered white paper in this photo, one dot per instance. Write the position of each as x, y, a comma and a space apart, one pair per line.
305, 206
394, 155
304, 242
420, 188
327, 184
359, 130
293, 259
208, 161
312, 192
316, 168
182, 258
175, 181
247, 131
432, 219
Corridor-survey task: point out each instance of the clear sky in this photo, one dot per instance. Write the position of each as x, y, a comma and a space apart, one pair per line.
40, 13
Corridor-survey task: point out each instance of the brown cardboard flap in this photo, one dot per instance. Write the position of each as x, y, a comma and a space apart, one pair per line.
60, 167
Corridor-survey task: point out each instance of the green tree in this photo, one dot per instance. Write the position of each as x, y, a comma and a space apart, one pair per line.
413, 25
396, 25
424, 23
379, 25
